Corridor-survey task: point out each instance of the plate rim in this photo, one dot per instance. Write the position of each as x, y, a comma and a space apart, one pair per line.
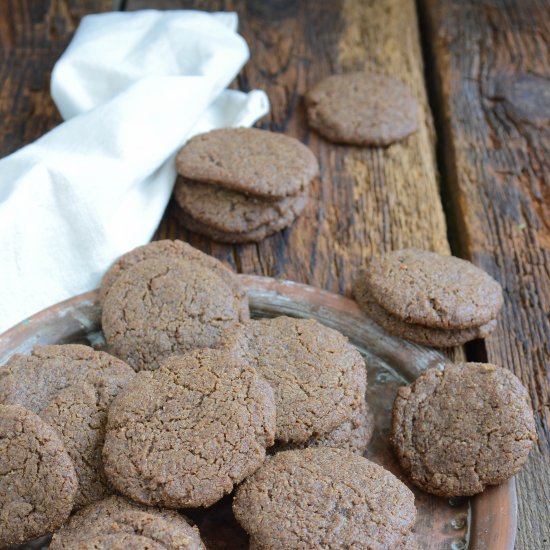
493, 512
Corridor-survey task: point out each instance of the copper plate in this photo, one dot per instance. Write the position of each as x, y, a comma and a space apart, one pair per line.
486, 521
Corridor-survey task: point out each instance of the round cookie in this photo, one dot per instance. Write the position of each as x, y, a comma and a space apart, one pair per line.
255, 162
324, 498
254, 236
457, 430
164, 307
429, 289
182, 436
232, 212
177, 250
317, 375
121, 541
352, 435
37, 478
427, 336
362, 108
116, 516
70, 387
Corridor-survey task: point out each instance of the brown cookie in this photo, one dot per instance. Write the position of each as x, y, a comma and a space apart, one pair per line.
178, 250
182, 436
428, 336
37, 478
457, 430
352, 435
255, 162
362, 108
324, 498
115, 517
70, 387
121, 541
317, 375
430, 289
164, 307
232, 212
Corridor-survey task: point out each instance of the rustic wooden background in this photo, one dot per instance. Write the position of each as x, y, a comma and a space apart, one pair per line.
478, 178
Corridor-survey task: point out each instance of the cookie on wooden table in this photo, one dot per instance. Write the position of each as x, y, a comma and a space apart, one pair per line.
165, 306
362, 108
117, 517
429, 298
178, 250
457, 430
182, 436
324, 498
228, 216
37, 478
252, 161
318, 376
70, 387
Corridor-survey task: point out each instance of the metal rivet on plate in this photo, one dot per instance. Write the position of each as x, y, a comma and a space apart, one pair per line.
459, 522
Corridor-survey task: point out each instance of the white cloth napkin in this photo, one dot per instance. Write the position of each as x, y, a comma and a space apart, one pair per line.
133, 87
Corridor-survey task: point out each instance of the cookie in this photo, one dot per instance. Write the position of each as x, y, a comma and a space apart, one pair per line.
182, 436
178, 250
429, 289
362, 108
232, 212
117, 517
163, 307
70, 387
457, 430
252, 161
317, 375
37, 478
427, 336
352, 435
324, 498
121, 541
254, 236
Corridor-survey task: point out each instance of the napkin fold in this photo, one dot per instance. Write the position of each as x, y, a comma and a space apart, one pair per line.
132, 87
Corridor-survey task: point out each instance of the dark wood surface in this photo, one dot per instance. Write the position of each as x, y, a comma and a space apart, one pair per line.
487, 66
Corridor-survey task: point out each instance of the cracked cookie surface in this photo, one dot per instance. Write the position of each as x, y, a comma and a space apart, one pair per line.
164, 307
37, 478
256, 162
317, 375
457, 430
324, 498
181, 250
362, 108
116, 516
182, 436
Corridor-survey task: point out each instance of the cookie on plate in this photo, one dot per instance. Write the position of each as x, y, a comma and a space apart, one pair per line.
318, 376
457, 430
165, 306
181, 251
323, 498
182, 436
429, 298
37, 478
70, 387
252, 161
362, 108
114, 517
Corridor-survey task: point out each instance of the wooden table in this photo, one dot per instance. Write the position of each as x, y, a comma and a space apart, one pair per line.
474, 180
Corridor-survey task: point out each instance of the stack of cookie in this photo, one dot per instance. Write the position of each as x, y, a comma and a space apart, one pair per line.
428, 298
240, 185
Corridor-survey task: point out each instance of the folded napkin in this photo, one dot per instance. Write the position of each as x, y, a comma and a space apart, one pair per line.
132, 87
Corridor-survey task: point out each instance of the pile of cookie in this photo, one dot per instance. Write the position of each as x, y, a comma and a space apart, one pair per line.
239, 185
195, 400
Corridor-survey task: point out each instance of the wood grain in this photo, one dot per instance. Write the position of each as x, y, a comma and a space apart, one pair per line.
492, 69
367, 200
33, 34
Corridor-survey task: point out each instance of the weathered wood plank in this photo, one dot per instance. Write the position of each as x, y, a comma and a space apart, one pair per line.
33, 34
367, 200
492, 68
